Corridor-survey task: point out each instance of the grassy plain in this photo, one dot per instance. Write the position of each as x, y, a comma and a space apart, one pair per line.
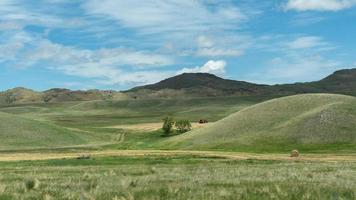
129, 159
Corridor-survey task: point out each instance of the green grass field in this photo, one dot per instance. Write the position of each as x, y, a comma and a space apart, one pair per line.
37, 139
182, 177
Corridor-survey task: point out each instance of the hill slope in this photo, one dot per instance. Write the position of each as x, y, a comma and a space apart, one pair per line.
22, 133
310, 121
19, 95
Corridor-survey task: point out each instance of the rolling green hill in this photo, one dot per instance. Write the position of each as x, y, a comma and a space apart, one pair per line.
21, 133
51, 125
313, 122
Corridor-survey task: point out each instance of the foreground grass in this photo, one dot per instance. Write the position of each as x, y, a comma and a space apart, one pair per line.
178, 177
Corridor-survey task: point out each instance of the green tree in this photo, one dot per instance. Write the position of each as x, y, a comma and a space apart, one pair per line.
183, 126
168, 123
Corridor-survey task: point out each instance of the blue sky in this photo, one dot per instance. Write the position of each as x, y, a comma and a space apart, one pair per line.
118, 44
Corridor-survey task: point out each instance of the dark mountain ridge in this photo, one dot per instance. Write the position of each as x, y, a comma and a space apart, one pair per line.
202, 84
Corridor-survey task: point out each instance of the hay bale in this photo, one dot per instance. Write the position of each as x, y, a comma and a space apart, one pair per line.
294, 154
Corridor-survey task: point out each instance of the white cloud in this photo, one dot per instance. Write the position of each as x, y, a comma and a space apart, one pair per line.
306, 18
152, 16
5, 26
204, 42
15, 15
110, 75
58, 54
214, 52
11, 47
181, 23
208, 47
109, 66
305, 42
319, 5
285, 44
212, 67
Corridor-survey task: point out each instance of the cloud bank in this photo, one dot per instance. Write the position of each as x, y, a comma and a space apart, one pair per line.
319, 5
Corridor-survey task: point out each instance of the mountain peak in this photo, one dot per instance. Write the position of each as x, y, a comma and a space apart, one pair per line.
185, 80
195, 85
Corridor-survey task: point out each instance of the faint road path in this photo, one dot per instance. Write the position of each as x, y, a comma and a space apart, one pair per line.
167, 153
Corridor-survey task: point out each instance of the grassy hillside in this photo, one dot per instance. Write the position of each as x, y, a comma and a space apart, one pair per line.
311, 122
109, 113
92, 120
19, 95
22, 133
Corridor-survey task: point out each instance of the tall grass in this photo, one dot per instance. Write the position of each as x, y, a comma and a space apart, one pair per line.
179, 178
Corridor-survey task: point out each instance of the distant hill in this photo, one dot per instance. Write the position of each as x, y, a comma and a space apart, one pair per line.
197, 84
340, 82
23, 95
62, 95
203, 84
319, 122
189, 85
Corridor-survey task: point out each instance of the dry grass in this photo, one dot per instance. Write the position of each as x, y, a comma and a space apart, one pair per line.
166, 153
149, 126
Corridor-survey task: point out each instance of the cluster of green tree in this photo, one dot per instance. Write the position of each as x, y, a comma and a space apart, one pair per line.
181, 126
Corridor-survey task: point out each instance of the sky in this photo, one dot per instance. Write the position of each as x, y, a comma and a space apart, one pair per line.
119, 44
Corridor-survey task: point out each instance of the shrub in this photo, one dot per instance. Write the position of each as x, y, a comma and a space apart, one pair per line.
31, 184
168, 123
183, 126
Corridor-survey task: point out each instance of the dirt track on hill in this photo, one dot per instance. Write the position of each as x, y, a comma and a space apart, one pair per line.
203, 154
